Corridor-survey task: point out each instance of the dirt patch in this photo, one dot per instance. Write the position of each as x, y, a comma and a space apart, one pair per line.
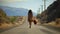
6, 26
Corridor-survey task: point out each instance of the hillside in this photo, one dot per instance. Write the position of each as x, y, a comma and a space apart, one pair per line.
3, 17
52, 13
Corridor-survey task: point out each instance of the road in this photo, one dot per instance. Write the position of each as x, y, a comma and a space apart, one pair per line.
36, 29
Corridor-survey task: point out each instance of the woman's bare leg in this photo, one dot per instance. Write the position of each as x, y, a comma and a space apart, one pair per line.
29, 24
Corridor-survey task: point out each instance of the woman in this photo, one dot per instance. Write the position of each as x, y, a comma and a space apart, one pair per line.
30, 16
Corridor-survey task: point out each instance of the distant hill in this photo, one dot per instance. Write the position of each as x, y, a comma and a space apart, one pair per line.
12, 11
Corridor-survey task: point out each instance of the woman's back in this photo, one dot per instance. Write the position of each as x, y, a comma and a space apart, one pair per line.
30, 15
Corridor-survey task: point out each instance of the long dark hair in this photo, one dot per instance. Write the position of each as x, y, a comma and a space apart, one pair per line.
30, 12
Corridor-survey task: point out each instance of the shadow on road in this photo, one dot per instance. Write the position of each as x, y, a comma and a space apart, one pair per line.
1, 30
52, 27
46, 31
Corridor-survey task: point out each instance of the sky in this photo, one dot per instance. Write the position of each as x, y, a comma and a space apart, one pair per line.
34, 5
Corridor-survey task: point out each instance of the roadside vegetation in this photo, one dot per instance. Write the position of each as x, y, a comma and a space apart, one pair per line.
9, 21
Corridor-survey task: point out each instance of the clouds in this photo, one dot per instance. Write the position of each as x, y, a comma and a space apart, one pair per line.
13, 0
27, 4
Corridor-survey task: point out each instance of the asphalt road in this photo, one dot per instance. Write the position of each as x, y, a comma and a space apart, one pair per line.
36, 29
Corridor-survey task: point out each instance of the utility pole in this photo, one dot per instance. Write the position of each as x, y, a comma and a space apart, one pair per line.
39, 11
44, 1
41, 7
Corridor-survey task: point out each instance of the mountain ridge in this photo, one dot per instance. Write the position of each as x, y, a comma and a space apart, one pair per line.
12, 11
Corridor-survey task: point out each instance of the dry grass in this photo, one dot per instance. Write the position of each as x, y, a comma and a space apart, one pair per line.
54, 24
7, 26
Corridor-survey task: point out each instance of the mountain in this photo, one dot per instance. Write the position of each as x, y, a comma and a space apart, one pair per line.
12, 11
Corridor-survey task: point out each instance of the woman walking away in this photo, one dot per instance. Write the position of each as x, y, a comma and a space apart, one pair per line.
30, 16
